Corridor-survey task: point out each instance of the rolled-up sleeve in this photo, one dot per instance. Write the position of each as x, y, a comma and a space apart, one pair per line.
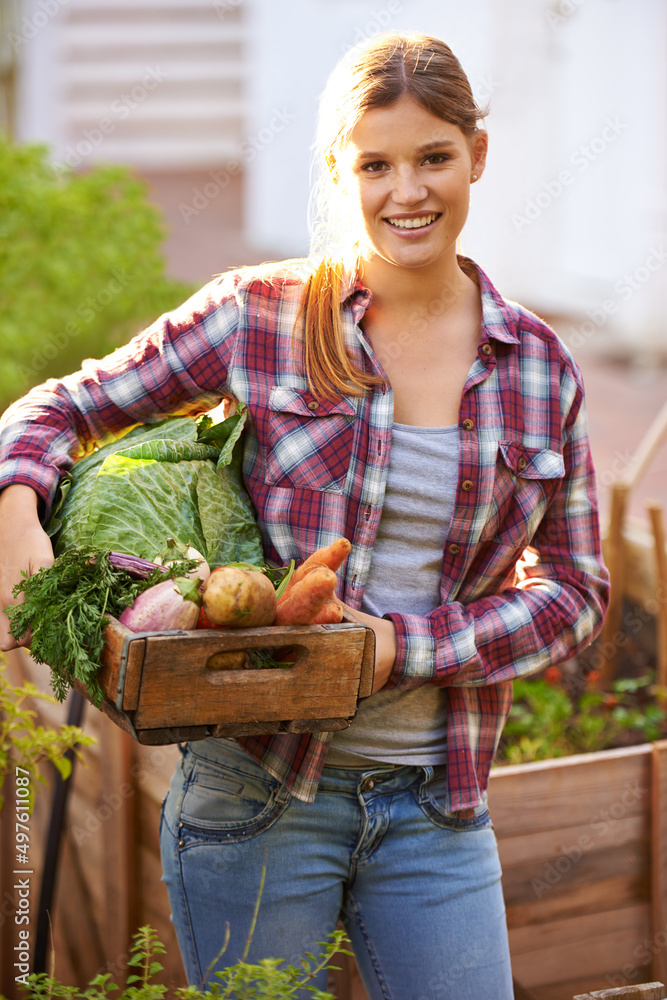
554, 608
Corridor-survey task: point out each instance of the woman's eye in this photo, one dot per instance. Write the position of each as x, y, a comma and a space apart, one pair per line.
436, 158
374, 167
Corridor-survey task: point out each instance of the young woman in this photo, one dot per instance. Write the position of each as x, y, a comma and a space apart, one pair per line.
396, 399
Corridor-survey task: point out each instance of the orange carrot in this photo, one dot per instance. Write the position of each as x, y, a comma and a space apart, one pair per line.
307, 598
331, 614
333, 556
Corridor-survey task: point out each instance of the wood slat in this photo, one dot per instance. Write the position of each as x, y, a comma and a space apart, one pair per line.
581, 946
115, 635
177, 688
533, 882
645, 991
549, 845
572, 791
79, 919
616, 565
659, 858
119, 836
583, 899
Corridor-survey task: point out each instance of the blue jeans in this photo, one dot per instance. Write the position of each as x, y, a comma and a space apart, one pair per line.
417, 889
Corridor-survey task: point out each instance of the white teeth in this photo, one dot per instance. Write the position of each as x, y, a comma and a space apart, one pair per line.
413, 223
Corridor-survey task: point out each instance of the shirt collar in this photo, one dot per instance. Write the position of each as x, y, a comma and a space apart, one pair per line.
498, 320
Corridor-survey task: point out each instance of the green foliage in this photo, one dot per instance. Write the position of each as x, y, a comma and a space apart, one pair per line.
23, 743
547, 721
269, 978
81, 268
66, 608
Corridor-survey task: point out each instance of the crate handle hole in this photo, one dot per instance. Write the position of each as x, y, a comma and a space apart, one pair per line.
281, 657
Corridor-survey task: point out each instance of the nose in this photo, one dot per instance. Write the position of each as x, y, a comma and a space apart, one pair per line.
408, 190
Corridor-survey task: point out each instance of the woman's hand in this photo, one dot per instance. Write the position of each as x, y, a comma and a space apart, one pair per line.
385, 647
24, 546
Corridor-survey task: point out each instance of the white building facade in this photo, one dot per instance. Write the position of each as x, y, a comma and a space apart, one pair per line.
571, 214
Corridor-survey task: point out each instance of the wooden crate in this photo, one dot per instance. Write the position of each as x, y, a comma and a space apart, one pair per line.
170, 687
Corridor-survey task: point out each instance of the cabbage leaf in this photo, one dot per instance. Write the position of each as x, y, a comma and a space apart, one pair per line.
179, 478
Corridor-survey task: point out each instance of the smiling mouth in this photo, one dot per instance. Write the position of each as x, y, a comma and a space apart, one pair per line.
417, 223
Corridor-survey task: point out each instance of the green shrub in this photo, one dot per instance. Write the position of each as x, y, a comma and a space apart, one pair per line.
547, 720
23, 744
81, 267
269, 978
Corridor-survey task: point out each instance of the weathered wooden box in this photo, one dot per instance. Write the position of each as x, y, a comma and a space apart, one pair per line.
170, 687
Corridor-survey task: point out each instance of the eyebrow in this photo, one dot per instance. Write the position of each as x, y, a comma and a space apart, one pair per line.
426, 148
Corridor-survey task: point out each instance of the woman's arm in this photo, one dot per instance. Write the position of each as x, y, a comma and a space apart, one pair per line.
25, 548
177, 366
556, 608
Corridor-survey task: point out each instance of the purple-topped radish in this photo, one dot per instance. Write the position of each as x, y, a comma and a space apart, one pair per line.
141, 569
172, 604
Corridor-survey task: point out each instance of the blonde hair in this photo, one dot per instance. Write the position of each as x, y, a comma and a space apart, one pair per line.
375, 75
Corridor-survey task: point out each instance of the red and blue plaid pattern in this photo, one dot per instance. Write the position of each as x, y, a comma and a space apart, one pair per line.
316, 469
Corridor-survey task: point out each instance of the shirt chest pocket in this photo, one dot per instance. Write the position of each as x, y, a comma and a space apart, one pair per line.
307, 441
525, 482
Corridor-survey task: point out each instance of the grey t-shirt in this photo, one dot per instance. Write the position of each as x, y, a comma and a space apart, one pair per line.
396, 726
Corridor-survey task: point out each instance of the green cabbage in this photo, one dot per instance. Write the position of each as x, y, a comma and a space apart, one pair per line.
179, 478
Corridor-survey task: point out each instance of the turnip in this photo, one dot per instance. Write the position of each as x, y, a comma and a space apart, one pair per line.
239, 597
175, 551
172, 604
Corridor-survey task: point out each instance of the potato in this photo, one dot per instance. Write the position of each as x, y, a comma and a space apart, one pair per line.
239, 598
228, 660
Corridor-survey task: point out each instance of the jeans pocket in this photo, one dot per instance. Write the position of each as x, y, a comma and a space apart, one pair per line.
227, 804
433, 800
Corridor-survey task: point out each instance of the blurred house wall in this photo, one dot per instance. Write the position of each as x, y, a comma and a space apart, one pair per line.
571, 215
154, 83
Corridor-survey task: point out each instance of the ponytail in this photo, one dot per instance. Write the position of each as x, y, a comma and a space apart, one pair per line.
330, 371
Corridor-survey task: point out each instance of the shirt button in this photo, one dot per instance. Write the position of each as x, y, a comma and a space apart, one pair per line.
468, 424
487, 349
466, 485
522, 463
454, 549
313, 405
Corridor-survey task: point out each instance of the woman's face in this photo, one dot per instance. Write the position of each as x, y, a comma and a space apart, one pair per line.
407, 176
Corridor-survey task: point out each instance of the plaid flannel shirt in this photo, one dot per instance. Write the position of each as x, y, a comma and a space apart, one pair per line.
523, 584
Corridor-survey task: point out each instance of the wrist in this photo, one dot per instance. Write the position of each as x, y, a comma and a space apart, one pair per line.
17, 500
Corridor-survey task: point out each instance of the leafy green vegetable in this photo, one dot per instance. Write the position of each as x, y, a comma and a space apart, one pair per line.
179, 478
66, 607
